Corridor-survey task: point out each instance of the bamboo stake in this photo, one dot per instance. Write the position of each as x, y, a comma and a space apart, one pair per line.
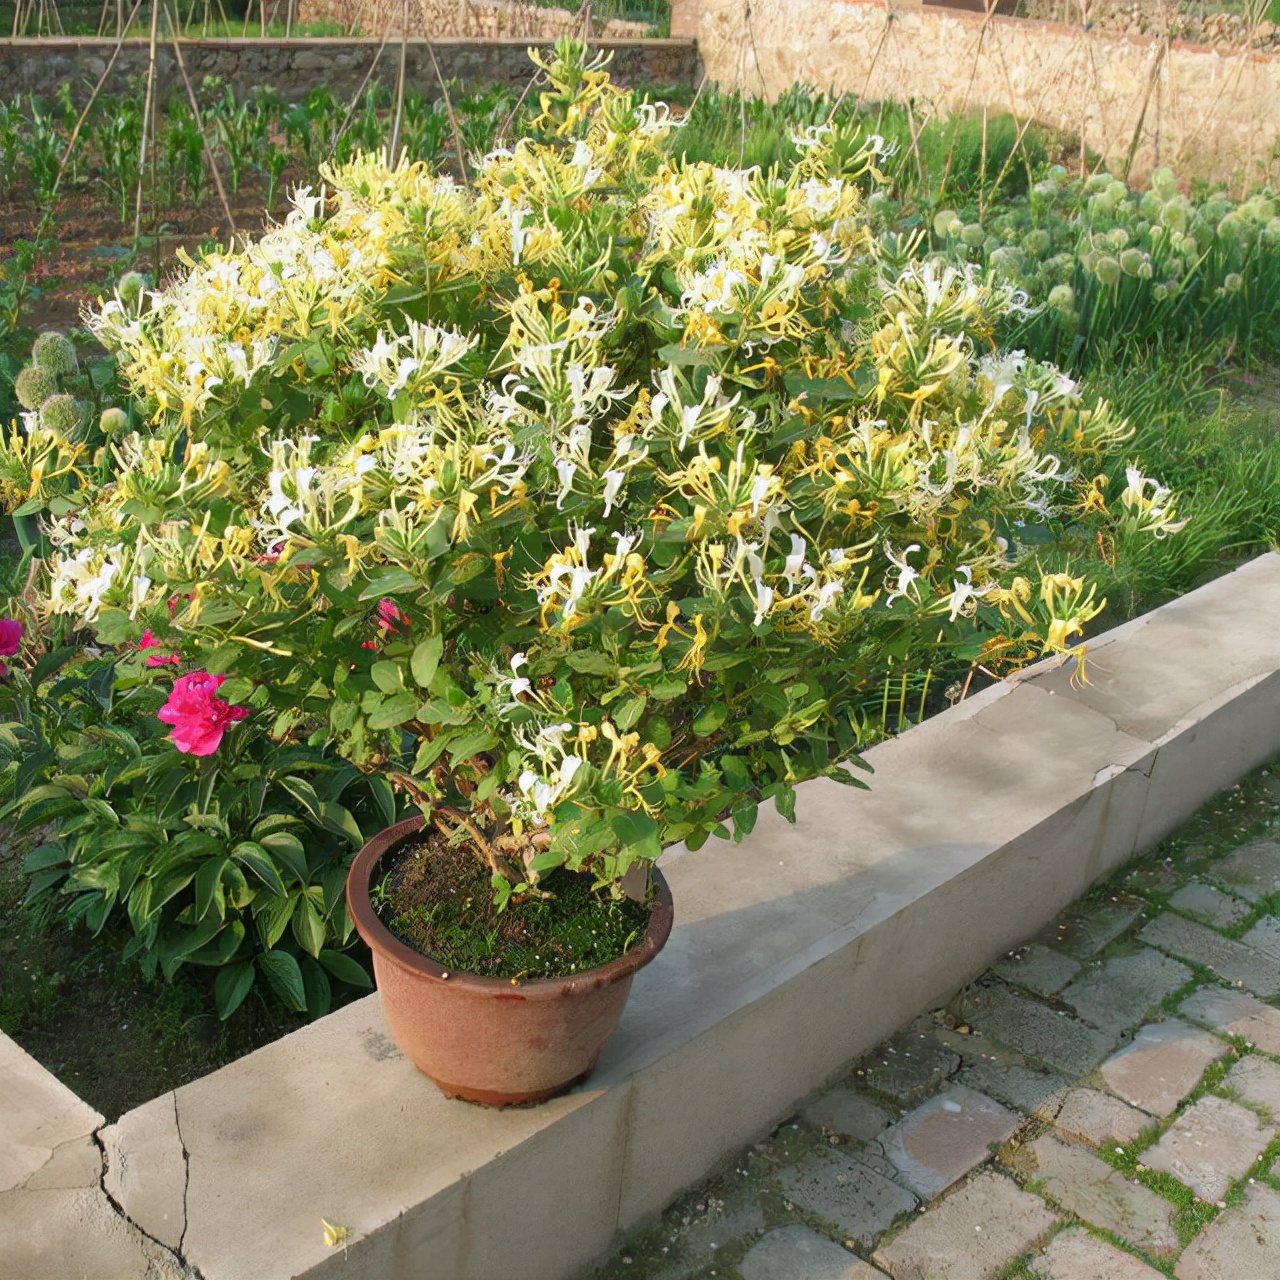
1146, 100
93, 97
394, 153
195, 112
146, 116
355, 97
453, 118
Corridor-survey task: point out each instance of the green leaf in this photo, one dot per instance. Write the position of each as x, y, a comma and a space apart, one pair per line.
710, 719
304, 793
345, 968
288, 850
639, 833
389, 677
258, 860
384, 797
394, 711
208, 886
591, 662
339, 820
425, 660
230, 988
273, 915
281, 970
238, 689
308, 927
469, 744
388, 584
315, 983
629, 713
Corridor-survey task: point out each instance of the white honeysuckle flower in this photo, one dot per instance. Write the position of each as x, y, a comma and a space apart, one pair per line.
613, 480
566, 470
795, 562
138, 595
904, 586
826, 594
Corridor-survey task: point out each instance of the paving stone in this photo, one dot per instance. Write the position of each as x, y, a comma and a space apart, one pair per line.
911, 1064
1098, 1117
942, 1139
1084, 933
1102, 1196
1241, 1244
1265, 937
1039, 969
1211, 905
796, 1253
1252, 871
1118, 994
1210, 1145
1235, 1013
855, 1192
841, 1110
737, 1217
1161, 1066
1028, 1089
1231, 960
971, 1235
1074, 1254
1154, 877
1056, 1039
1256, 1080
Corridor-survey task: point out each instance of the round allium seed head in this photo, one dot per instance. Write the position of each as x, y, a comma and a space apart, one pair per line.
53, 351
1107, 269
130, 288
973, 235
113, 421
1037, 243
1132, 261
34, 386
1062, 297
946, 224
61, 414
1233, 282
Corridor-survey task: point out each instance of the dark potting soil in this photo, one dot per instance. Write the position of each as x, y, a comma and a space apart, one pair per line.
438, 899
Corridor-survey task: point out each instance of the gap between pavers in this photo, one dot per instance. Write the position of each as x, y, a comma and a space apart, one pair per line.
792, 954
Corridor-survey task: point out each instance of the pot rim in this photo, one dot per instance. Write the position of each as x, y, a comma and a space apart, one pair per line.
382, 941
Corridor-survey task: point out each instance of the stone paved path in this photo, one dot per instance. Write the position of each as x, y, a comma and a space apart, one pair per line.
1104, 1104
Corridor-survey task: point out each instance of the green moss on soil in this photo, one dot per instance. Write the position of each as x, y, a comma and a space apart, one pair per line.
438, 899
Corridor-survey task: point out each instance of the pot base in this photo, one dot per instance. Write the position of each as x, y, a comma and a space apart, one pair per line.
496, 1098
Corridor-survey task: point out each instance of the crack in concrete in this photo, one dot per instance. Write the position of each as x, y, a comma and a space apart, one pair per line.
186, 1178
189, 1271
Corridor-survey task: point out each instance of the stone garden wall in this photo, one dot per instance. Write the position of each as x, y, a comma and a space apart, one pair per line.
475, 19
1139, 101
42, 66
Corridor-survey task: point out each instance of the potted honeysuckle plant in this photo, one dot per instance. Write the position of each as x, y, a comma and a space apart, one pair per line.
582, 502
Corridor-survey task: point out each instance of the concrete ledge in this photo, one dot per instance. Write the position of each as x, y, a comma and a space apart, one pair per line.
792, 954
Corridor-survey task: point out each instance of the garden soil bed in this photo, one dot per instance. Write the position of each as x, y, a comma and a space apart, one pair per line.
96, 1023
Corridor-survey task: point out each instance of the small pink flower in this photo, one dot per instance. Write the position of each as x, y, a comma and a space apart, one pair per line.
149, 641
390, 619
10, 637
198, 716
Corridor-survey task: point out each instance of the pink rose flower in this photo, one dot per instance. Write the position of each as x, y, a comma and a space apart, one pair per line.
10, 637
149, 641
198, 716
10, 641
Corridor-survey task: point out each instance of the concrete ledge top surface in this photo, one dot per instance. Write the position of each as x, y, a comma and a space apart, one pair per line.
332, 1122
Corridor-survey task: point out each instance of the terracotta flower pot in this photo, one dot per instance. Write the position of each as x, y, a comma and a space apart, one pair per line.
489, 1040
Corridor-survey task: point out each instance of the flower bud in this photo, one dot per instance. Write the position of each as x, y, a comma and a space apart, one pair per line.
130, 288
